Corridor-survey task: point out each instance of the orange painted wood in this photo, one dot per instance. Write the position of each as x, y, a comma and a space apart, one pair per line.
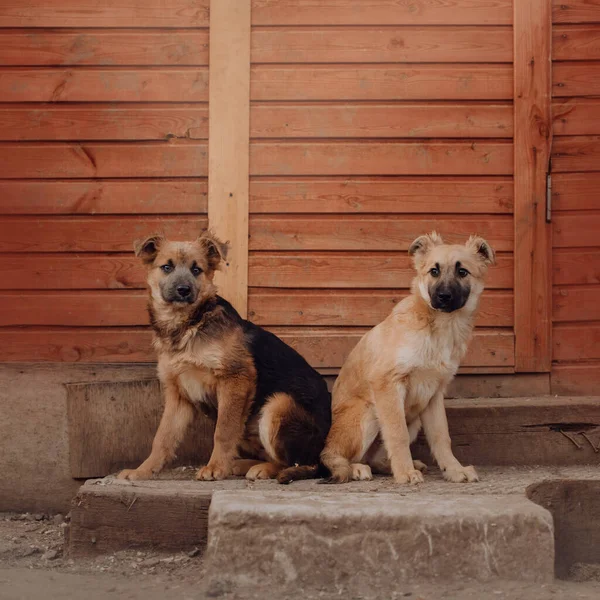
576, 341
108, 13
266, 269
357, 232
329, 348
91, 234
71, 271
229, 143
576, 191
571, 42
114, 308
575, 79
103, 196
576, 379
576, 303
381, 120
177, 158
578, 116
573, 266
382, 195
576, 153
350, 308
381, 158
381, 82
381, 12
101, 122
446, 44
576, 229
108, 47
348, 270
183, 84
266, 308
575, 11
321, 347
532, 123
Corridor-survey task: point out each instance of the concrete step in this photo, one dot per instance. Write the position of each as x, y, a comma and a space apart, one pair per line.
362, 541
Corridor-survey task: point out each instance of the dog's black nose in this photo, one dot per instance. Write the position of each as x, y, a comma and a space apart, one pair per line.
184, 290
444, 297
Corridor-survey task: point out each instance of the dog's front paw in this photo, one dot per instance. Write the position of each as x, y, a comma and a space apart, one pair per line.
213, 472
134, 474
263, 470
461, 475
411, 476
361, 472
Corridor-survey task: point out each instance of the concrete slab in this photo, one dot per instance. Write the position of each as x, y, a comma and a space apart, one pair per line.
359, 541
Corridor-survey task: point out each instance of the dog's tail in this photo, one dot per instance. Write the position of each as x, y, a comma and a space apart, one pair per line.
298, 472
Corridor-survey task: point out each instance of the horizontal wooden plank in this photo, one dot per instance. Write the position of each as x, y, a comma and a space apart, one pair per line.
576, 191
381, 158
382, 82
578, 229
95, 234
448, 44
103, 197
74, 309
103, 122
396, 120
580, 116
340, 308
103, 47
176, 84
71, 272
109, 13
575, 79
576, 153
381, 12
267, 308
382, 195
298, 270
575, 266
176, 158
571, 42
321, 347
348, 270
357, 232
576, 341
576, 379
576, 303
575, 11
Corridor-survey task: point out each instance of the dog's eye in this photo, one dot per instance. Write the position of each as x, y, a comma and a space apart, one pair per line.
167, 268
196, 271
435, 272
463, 272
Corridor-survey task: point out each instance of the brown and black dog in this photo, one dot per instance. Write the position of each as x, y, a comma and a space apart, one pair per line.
270, 406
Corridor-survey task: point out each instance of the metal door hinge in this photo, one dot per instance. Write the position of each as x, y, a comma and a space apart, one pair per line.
548, 198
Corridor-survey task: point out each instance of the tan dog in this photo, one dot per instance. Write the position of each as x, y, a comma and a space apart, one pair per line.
272, 410
395, 378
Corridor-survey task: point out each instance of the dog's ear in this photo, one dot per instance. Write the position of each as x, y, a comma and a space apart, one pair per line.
482, 249
148, 248
216, 250
424, 243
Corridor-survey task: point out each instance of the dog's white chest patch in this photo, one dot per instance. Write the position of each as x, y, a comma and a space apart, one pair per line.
194, 388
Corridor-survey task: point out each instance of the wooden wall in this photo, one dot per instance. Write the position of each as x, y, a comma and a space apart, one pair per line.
103, 129
370, 124
576, 197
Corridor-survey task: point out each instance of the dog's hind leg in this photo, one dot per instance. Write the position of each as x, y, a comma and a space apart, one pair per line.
241, 466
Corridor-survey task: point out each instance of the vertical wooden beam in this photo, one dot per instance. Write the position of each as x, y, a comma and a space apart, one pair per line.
229, 143
533, 135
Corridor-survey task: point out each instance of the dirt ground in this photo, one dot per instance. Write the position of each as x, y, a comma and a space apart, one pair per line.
33, 565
